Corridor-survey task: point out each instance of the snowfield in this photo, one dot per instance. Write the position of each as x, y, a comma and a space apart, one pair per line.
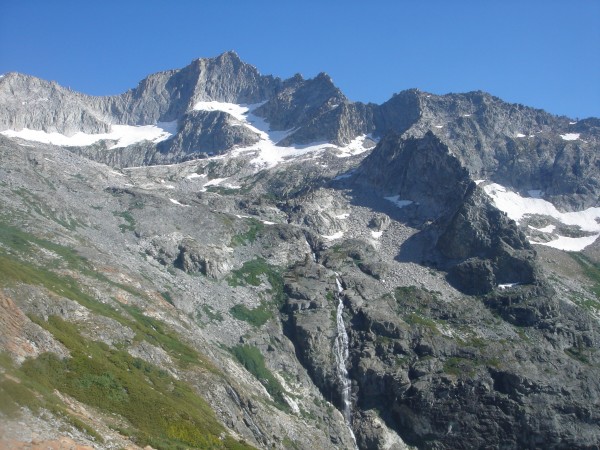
125, 135
517, 207
267, 152
570, 136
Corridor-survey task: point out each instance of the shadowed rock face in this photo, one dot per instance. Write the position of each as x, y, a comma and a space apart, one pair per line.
474, 241
421, 170
207, 132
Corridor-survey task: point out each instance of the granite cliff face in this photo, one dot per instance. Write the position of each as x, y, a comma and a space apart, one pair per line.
274, 266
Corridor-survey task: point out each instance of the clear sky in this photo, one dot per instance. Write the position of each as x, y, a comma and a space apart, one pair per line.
542, 53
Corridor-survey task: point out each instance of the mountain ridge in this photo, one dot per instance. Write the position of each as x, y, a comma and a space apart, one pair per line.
297, 271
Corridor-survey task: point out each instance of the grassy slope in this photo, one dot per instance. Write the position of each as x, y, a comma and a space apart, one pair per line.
162, 411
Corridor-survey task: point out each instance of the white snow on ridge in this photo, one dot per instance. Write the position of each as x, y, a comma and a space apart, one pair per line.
267, 152
177, 203
570, 244
191, 176
376, 234
356, 147
124, 135
517, 207
570, 136
237, 111
507, 285
334, 236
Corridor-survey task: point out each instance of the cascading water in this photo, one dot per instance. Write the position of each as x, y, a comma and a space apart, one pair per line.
340, 349
341, 355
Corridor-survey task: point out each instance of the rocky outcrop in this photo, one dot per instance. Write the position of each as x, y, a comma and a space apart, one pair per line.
206, 133
30, 102
418, 170
488, 246
194, 258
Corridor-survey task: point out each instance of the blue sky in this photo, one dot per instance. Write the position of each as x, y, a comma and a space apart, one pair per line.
544, 54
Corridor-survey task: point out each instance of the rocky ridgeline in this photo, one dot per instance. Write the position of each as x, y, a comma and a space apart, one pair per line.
510, 144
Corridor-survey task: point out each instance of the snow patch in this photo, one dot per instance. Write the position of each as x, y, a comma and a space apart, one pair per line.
521, 135
439, 126
479, 181
376, 234
517, 207
125, 135
570, 244
570, 136
507, 285
191, 176
237, 111
334, 236
356, 146
395, 199
172, 200
342, 216
267, 153
572, 123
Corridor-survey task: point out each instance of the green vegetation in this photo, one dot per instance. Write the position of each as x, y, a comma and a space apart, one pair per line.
222, 190
163, 412
167, 296
129, 224
146, 328
37, 205
255, 227
254, 362
211, 314
457, 366
578, 353
415, 305
254, 272
415, 319
256, 317
592, 271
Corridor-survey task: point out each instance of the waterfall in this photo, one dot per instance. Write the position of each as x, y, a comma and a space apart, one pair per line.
340, 349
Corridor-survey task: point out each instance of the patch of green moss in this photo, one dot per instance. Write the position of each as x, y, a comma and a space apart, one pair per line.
255, 227
254, 362
152, 330
163, 412
129, 224
39, 206
416, 319
458, 366
590, 269
254, 272
167, 296
211, 313
257, 316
